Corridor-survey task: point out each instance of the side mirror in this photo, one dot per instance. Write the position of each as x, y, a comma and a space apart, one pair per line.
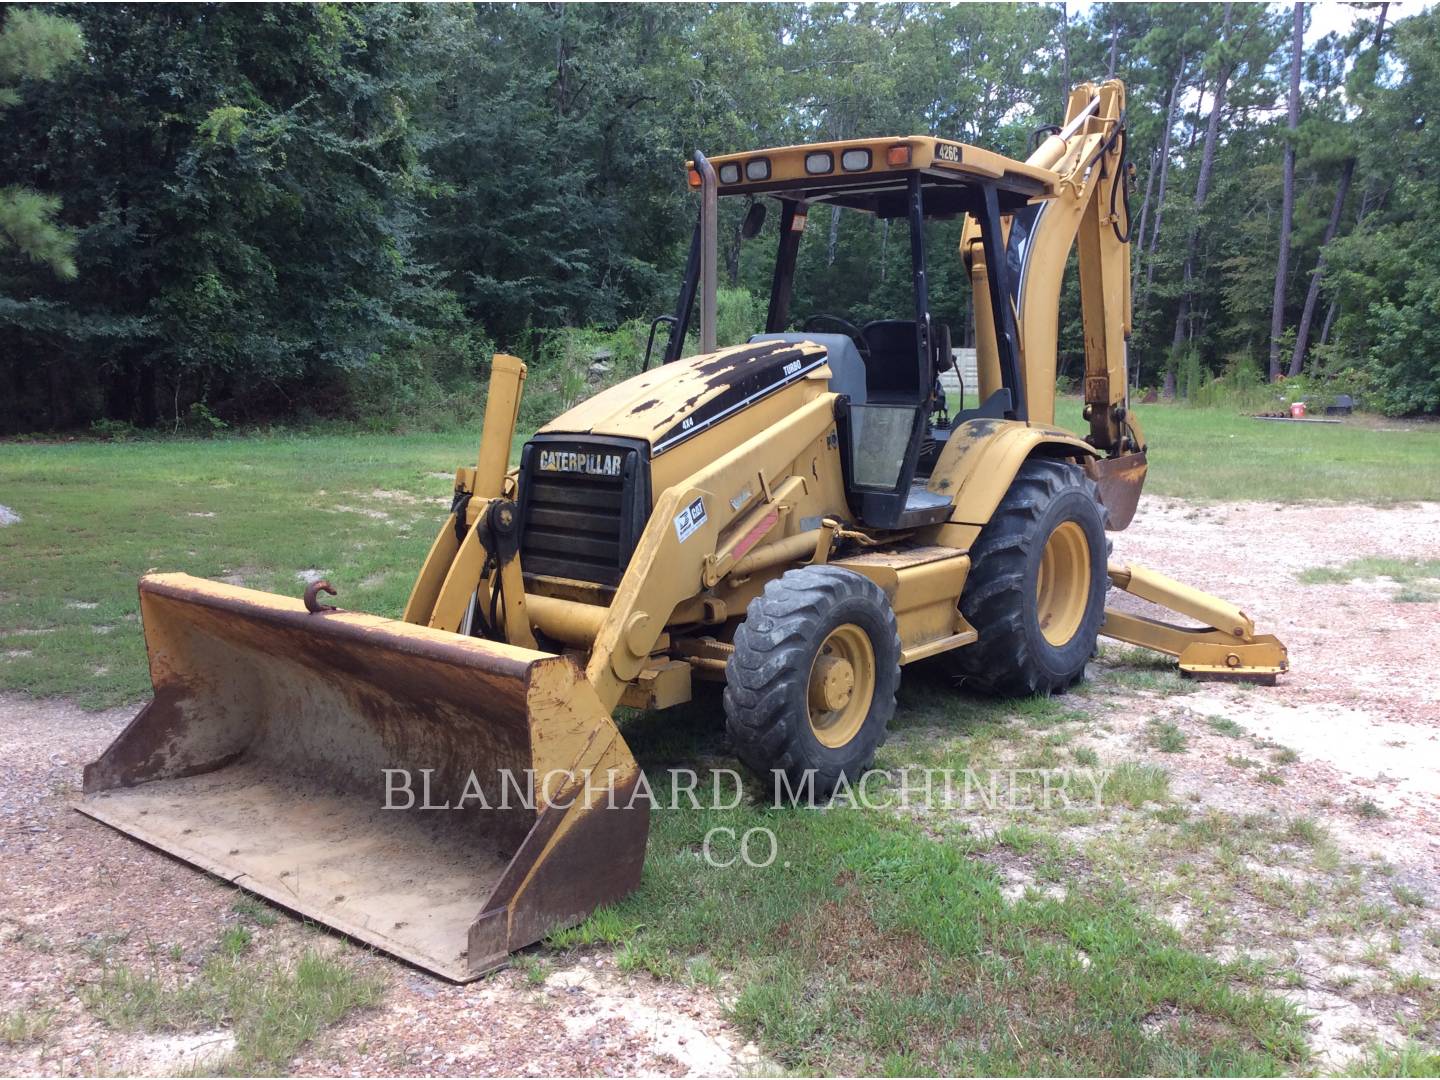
754, 221
944, 355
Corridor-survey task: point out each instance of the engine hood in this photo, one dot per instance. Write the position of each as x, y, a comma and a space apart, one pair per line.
675, 402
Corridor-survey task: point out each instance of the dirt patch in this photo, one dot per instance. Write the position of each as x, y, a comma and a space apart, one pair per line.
844, 937
1361, 706
583, 1018
78, 899
1350, 644
363, 511
404, 497
1311, 837
172, 1055
242, 575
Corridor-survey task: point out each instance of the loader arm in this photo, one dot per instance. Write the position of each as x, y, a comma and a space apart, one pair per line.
671, 562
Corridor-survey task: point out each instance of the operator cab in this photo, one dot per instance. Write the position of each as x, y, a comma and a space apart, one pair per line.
894, 420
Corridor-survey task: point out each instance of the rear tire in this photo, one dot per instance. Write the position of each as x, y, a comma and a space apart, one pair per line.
1036, 589
811, 684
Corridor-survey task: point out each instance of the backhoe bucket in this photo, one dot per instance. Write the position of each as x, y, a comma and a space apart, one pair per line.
443, 798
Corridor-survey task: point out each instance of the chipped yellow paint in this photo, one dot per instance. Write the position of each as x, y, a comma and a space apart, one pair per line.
649, 405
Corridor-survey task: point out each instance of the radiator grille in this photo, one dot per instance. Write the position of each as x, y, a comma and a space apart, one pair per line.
573, 528
581, 525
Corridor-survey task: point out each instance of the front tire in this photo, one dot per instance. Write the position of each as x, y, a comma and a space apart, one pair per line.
1036, 589
810, 688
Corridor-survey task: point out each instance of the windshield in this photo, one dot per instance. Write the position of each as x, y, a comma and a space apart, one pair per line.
851, 265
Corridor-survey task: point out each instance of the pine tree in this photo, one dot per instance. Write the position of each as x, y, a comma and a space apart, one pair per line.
35, 46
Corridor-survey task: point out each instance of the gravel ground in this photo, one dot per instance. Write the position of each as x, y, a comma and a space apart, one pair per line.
1361, 710
1361, 707
75, 896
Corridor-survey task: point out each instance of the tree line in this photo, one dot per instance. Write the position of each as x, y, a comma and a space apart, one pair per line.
218, 214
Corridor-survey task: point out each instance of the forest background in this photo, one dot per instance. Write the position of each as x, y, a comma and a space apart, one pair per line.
219, 215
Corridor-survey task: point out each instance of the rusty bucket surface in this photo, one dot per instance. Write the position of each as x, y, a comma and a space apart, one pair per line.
1120, 480
263, 759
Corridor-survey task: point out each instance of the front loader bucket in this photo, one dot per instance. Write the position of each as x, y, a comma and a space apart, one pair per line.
373, 775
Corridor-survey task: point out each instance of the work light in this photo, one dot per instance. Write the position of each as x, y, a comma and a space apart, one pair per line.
821, 161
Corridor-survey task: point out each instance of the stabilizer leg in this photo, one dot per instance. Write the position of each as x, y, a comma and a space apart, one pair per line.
1226, 646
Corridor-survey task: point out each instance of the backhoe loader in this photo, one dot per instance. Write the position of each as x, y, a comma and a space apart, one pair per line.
798, 516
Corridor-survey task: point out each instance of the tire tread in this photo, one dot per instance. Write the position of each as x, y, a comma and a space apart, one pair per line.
772, 647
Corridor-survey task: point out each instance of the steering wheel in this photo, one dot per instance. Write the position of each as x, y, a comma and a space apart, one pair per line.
851, 330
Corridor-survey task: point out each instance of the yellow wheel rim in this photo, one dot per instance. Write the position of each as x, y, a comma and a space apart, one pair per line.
842, 685
1062, 587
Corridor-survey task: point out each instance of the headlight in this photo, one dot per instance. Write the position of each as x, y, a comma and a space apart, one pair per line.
821, 161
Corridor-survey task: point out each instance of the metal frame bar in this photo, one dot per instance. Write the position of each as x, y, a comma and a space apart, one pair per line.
689, 284
782, 283
1006, 339
709, 231
916, 207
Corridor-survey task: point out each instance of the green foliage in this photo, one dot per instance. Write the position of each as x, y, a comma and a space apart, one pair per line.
246, 222
336, 211
1167, 737
25, 1025
1387, 276
737, 317
1189, 372
35, 46
868, 948
1240, 386
226, 125
1419, 579
28, 226
273, 1010
1412, 1059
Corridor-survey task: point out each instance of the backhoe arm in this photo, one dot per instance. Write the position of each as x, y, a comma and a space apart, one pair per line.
1087, 154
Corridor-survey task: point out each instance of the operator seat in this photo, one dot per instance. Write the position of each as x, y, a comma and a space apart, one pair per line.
847, 370
892, 375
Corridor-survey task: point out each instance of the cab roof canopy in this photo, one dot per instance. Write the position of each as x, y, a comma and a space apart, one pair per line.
873, 175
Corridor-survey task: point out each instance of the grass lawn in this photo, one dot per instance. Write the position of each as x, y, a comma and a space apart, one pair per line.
1219, 454
871, 943
363, 509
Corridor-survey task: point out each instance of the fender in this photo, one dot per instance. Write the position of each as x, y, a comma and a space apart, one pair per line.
979, 463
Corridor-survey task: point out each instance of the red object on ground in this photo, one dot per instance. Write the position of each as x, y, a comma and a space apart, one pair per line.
1297, 409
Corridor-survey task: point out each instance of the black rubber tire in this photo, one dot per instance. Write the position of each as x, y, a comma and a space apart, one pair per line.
1012, 658
767, 677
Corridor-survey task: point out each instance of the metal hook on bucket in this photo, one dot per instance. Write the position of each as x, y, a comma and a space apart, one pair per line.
312, 602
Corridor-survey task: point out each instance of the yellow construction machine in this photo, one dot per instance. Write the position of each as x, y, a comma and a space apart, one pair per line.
797, 516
